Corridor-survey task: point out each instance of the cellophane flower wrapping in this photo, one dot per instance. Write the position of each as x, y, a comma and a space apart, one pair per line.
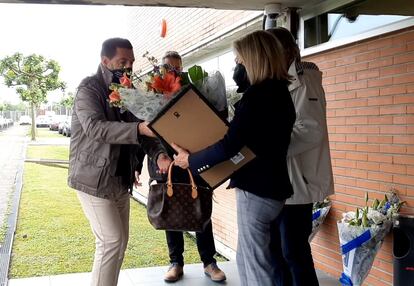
361, 234
319, 214
213, 87
145, 105
358, 258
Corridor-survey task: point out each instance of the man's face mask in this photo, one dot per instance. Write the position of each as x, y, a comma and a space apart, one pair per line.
118, 73
240, 78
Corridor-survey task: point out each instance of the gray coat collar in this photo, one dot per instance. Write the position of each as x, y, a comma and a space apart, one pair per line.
105, 74
294, 73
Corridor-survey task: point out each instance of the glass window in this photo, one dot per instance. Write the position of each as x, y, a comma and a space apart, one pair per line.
210, 65
340, 27
354, 19
226, 67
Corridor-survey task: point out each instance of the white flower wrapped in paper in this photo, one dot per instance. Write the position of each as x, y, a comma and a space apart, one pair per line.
361, 234
376, 216
359, 246
348, 216
319, 213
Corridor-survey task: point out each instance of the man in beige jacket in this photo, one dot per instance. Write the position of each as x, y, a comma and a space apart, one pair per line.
104, 147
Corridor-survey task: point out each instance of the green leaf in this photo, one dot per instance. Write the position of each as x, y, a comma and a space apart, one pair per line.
365, 219
196, 73
366, 198
375, 204
400, 205
357, 213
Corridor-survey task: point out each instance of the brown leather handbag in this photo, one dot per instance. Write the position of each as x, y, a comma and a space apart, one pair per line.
178, 206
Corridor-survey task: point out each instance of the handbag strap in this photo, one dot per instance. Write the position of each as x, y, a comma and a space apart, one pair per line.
170, 192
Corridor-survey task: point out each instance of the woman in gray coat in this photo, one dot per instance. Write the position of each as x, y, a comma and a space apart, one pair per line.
309, 166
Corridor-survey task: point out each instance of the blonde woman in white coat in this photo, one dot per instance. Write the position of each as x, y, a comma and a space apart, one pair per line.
309, 166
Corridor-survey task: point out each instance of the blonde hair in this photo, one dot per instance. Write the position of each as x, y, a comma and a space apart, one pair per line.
262, 55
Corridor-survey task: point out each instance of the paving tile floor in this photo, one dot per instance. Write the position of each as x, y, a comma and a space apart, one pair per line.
152, 276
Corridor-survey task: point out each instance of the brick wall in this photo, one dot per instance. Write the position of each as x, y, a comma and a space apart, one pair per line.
370, 92
185, 27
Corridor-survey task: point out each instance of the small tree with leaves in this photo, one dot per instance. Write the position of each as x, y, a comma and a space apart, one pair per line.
33, 77
68, 101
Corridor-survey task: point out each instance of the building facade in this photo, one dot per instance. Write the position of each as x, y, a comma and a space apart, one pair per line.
369, 83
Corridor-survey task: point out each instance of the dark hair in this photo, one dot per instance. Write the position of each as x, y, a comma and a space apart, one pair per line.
109, 46
171, 55
288, 42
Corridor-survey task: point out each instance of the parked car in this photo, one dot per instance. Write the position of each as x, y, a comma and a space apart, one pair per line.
43, 121
3, 123
56, 120
60, 127
66, 127
9, 122
25, 120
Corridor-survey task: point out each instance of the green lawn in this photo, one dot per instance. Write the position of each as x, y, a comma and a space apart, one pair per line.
53, 236
44, 133
48, 152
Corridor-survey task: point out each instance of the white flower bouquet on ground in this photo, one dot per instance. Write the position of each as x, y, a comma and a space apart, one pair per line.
319, 213
361, 234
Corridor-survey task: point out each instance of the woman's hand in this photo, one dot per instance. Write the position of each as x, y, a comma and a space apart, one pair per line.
163, 162
181, 159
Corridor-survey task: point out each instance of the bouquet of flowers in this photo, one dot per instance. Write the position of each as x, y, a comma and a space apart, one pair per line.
319, 213
361, 234
150, 93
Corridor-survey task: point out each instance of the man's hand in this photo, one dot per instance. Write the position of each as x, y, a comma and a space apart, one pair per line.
137, 183
163, 162
181, 159
144, 130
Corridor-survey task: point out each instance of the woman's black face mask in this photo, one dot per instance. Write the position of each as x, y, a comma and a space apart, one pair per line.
240, 78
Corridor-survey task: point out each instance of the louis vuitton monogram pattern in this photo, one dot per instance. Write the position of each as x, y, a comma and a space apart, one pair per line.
179, 212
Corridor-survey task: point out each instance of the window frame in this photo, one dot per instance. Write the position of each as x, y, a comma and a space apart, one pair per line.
329, 5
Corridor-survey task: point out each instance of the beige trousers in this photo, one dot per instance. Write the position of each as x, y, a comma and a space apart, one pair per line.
109, 220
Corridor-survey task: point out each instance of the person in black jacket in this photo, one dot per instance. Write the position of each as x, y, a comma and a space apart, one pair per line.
263, 185
157, 167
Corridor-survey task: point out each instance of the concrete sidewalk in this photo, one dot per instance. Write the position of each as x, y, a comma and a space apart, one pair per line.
12, 153
152, 276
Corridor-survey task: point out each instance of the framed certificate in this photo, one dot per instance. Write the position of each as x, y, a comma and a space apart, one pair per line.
190, 121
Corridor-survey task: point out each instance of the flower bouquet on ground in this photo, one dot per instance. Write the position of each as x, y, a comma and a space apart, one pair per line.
319, 213
150, 93
361, 234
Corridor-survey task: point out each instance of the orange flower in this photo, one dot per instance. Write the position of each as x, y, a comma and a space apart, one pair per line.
114, 97
125, 81
168, 85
